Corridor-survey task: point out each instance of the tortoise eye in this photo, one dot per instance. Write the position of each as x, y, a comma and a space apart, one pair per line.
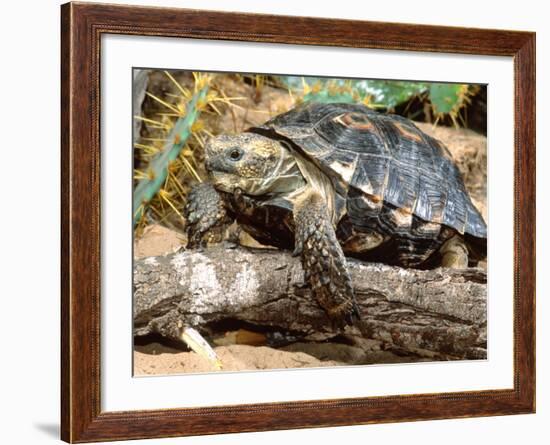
235, 154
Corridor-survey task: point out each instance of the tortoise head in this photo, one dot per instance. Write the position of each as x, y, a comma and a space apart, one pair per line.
251, 162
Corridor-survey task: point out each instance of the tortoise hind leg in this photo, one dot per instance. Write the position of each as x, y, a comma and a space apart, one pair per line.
454, 253
322, 258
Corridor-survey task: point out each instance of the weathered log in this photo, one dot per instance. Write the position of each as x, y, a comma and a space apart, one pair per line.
439, 310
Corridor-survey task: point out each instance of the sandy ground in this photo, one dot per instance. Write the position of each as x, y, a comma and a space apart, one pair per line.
155, 358
469, 150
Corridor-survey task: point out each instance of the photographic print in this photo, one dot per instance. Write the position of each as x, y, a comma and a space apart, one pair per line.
307, 240
289, 221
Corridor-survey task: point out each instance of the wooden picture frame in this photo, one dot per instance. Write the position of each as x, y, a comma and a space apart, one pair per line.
82, 26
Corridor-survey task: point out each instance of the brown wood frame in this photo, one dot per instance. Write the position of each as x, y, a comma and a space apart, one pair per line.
81, 27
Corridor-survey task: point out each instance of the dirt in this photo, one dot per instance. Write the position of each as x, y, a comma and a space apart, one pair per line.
254, 106
154, 359
159, 359
158, 240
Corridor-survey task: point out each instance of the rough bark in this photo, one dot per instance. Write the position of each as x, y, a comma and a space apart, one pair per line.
440, 310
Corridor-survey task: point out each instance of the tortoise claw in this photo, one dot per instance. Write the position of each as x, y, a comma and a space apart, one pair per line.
348, 316
353, 315
298, 248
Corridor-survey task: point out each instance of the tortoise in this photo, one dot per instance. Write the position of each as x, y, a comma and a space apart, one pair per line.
337, 179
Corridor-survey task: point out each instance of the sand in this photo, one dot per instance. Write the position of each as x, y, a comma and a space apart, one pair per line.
159, 359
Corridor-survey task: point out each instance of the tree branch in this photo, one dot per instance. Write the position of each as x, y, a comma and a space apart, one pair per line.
440, 310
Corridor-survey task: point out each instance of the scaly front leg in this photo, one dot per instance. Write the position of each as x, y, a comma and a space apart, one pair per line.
322, 258
207, 216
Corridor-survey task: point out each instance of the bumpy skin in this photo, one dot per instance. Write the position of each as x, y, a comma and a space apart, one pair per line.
207, 216
323, 260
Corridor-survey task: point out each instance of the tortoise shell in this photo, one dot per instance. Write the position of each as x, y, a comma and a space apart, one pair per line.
389, 176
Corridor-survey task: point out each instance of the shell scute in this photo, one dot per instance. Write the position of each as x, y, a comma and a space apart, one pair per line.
343, 137
402, 186
431, 199
371, 175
